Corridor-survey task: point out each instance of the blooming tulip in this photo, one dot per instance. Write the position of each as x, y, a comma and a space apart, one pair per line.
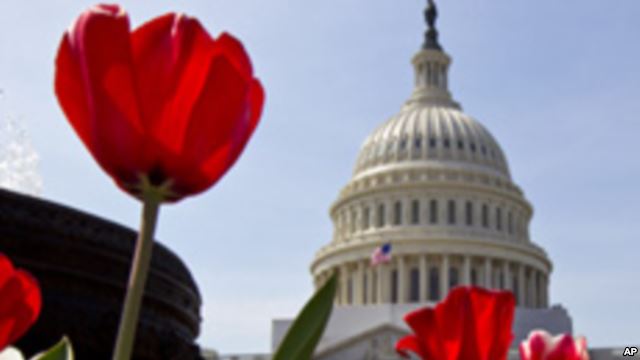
165, 110
542, 346
165, 107
471, 323
20, 302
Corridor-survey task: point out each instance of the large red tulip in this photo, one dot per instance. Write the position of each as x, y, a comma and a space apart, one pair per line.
471, 323
20, 302
163, 106
542, 346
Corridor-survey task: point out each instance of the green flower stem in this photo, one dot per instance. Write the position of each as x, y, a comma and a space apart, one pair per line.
137, 277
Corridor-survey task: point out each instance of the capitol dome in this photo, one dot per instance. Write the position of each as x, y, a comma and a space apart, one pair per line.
435, 184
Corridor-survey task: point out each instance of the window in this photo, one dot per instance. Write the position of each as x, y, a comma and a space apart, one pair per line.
473, 147
403, 144
460, 145
394, 286
397, 213
418, 142
414, 294
381, 215
415, 212
454, 279
510, 222
434, 284
474, 277
366, 217
498, 219
432, 143
483, 149
452, 212
446, 143
485, 215
500, 279
433, 211
469, 213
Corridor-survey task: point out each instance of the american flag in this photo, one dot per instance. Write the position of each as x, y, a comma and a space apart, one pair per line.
381, 254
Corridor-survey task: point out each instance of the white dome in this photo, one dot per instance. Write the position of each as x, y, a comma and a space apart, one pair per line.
434, 184
425, 135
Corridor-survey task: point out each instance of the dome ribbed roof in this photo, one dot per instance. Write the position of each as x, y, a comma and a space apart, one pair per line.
427, 134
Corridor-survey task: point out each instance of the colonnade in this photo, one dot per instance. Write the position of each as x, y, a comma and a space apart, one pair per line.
428, 278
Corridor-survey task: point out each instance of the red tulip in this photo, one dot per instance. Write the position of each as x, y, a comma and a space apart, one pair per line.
471, 323
542, 346
165, 106
20, 302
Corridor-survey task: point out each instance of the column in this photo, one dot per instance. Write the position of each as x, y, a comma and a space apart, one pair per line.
506, 272
488, 273
344, 285
444, 276
359, 284
521, 286
424, 277
545, 291
534, 286
466, 270
402, 290
370, 286
379, 296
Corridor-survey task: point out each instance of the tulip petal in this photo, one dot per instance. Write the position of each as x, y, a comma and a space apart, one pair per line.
410, 343
96, 89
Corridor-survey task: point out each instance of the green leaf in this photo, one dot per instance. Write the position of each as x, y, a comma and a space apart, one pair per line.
306, 330
61, 351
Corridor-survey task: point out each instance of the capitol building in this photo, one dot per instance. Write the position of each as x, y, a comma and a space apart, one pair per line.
434, 183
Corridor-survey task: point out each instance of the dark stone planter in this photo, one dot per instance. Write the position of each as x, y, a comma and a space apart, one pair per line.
82, 264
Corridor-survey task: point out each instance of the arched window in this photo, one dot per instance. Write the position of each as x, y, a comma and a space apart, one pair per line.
485, 215
397, 213
414, 294
415, 212
418, 142
394, 286
433, 211
381, 215
454, 279
366, 218
434, 284
451, 209
498, 219
469, 213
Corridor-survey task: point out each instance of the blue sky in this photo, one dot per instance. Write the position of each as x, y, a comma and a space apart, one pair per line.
556, 82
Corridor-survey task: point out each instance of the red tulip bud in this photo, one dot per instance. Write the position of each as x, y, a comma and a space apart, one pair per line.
20, 302
542, 346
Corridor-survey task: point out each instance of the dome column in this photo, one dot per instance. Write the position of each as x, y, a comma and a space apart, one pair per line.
424, 277
521, 286
359, 284
401, 296
488, 273
466, 270
444, 276
380, 287
506, 273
